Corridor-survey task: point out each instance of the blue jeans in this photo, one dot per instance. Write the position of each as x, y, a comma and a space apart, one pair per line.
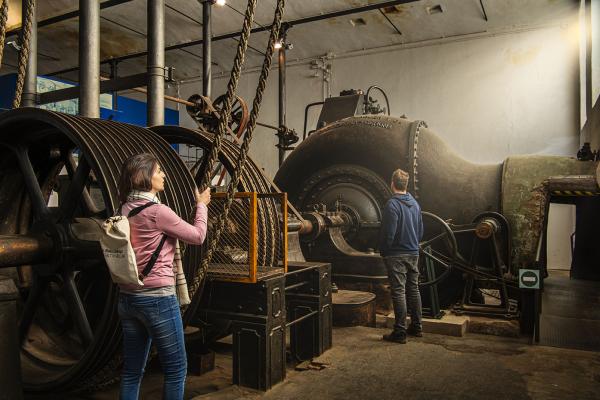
146, 319
403, 273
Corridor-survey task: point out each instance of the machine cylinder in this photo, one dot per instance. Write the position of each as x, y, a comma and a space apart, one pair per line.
446, 184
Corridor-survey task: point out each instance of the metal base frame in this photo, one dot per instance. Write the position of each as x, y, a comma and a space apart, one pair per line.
258, 315
309, 309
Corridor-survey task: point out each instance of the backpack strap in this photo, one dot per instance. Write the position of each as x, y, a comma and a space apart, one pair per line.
154, 256
135, 211
153, 259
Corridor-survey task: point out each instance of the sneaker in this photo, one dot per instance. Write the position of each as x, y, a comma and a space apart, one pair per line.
394, 337
412, 331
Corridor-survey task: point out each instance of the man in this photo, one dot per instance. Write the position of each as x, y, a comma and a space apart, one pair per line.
401, 231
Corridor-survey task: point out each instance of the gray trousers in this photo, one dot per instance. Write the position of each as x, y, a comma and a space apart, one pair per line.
403, 273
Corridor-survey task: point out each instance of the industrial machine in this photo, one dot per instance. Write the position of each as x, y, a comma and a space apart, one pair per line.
487, 223
58, 181
336, 181
68, 324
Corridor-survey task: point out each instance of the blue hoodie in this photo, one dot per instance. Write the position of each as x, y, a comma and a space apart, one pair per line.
401, 226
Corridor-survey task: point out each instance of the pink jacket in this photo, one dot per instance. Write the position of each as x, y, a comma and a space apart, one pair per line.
146, 231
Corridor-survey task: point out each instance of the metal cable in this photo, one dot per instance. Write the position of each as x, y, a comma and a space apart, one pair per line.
231, 87
3, 20
198, 278
262, 83
25, 39
196, 288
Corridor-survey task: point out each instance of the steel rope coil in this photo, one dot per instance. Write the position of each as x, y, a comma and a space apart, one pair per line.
104, 145
252, 179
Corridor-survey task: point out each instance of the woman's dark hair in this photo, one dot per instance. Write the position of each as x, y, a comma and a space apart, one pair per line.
136, 174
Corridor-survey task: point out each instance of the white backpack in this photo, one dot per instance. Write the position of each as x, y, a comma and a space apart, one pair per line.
118, 253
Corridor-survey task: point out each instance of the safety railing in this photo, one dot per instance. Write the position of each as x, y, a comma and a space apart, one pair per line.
253, 245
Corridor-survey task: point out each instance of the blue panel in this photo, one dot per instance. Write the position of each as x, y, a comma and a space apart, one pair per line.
128, 110
7, 91
134, 112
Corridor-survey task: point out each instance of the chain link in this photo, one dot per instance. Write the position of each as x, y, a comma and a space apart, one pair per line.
197, 284
3, 20
24, 52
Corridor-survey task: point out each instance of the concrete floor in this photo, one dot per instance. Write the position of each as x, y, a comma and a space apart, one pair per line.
362, 366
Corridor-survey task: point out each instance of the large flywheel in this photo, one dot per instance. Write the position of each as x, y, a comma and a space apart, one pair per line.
68, 326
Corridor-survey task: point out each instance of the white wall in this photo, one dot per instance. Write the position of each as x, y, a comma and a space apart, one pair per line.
561, 224
489, 97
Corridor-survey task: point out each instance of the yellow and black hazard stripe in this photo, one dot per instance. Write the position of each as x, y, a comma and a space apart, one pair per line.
571, 193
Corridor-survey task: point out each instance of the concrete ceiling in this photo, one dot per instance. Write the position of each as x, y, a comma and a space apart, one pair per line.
123, 29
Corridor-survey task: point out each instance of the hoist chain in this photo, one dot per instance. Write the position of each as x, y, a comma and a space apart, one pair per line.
25, 40
197, 284
3, 19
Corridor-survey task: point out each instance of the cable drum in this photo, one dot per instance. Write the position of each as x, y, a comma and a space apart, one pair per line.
252, 179
73, 336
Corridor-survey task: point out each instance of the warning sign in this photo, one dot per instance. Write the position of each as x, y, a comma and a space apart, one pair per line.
529, 279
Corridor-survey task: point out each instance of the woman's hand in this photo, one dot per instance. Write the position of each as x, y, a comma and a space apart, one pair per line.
203, 197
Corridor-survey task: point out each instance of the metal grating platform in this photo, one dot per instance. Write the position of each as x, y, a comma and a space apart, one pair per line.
570, 313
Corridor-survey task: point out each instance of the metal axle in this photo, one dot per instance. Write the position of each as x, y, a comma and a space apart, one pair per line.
17, 250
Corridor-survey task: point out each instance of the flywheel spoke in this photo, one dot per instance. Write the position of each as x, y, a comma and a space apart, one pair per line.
88, 202
77, 310
73, 197
40, 207
433, 239
35, 293
437, 256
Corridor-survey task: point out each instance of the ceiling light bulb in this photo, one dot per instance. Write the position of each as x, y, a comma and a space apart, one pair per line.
278, 44
220, 3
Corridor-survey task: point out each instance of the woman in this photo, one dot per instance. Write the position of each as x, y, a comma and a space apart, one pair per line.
150, 313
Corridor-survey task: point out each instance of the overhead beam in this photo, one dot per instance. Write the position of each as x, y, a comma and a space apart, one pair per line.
69, 15
296, 22
107, 86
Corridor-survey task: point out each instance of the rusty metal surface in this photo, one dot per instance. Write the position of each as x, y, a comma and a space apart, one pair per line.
576, 184
525, 199
353, 308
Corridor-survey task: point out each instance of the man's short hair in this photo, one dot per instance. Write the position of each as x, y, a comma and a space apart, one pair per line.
400, 179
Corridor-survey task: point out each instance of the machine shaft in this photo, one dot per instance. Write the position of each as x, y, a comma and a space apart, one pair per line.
16, 250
